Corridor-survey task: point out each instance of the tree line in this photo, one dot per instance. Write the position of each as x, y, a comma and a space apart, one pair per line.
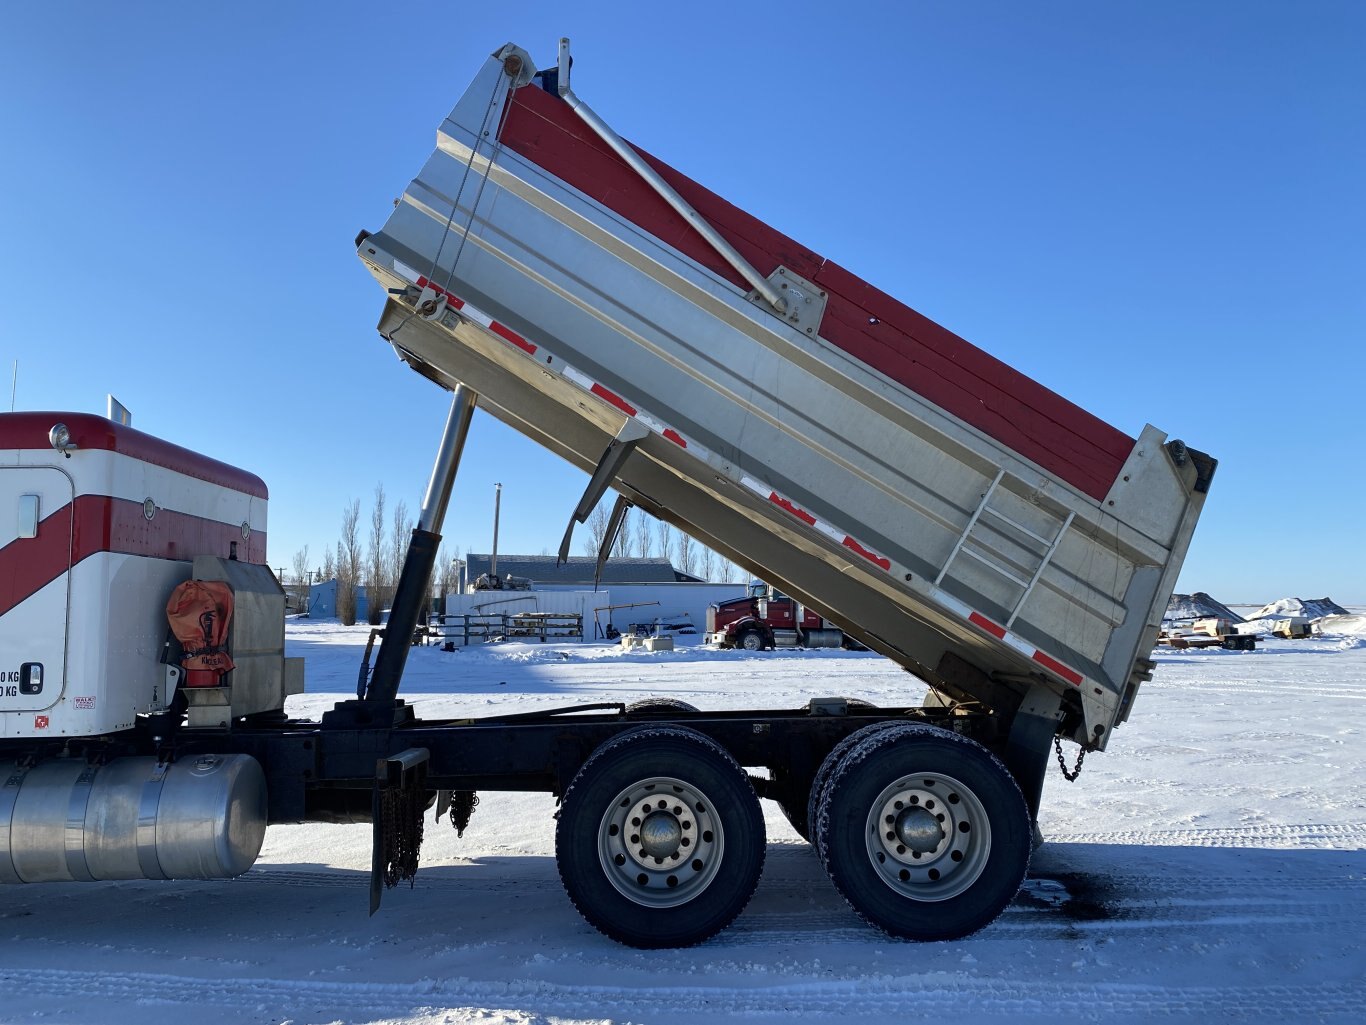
374, 560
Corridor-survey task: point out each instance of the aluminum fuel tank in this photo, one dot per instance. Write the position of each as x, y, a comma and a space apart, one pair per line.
65, 820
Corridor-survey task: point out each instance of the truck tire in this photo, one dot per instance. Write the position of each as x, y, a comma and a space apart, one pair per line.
750, 640
924, 832
660, 839
822, 777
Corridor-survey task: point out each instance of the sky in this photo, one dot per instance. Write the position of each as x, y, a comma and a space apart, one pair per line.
1155, 208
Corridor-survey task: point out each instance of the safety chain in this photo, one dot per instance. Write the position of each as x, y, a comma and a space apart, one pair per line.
401, 811
1062, 764
463, 803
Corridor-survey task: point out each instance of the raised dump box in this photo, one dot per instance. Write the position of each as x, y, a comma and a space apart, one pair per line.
942, 508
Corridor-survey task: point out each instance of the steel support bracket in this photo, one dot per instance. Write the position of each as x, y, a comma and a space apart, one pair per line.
805, 301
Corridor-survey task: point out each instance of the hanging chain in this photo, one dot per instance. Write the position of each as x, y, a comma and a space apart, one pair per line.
401, 809
463, 803
1062, 764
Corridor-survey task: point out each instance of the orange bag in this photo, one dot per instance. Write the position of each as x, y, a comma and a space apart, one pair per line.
200, 611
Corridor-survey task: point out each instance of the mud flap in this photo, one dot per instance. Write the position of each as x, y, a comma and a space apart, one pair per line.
398, 801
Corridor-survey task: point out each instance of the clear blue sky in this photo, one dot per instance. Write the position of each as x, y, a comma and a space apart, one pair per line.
1155, 208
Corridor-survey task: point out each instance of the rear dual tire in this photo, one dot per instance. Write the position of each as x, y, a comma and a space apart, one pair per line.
924, 832
660, 839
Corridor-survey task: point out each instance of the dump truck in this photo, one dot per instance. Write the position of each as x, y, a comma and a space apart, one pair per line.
1011, 551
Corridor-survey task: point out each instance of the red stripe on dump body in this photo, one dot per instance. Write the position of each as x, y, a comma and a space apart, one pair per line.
801, 514
615, 399
513, 337
873, 557
1070, 675
977, 619
451, 298
863, 321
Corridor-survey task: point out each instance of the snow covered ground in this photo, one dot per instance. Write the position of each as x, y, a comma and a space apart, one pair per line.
1210, 866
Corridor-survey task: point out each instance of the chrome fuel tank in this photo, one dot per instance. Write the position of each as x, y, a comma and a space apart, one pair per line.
65, 820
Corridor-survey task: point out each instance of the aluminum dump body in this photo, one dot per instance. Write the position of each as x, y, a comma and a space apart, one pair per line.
941, 507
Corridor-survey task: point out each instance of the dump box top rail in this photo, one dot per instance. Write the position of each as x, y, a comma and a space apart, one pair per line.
941, 507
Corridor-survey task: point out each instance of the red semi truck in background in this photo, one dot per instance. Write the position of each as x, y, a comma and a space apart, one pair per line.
766, 619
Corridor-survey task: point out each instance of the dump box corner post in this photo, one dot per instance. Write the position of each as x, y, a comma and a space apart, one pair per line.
1027, 745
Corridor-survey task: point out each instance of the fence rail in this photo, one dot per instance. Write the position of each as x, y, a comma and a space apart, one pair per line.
451, 631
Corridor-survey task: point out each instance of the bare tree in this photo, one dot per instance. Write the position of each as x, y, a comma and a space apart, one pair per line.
401, 527
446, 576
644, 534
329, 567
624, 546
377, 563
597, 530
667, 543
348, 563
301, 579
686, 552
708, 562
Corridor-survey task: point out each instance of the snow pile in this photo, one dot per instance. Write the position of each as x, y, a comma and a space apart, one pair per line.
1349, 628
1264, 620
1182, 608
1309, 608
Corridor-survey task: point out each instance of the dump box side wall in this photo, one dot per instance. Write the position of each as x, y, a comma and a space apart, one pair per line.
919, 532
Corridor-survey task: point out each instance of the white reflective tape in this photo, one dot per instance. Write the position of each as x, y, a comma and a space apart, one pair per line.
756, 487
951, 603
478, 316
655, 425
582, 380
837, 536
406, 272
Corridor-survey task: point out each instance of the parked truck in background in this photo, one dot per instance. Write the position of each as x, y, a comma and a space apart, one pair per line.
1004, 546
767, 619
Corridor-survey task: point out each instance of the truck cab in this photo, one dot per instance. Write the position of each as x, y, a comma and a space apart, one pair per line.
766, 618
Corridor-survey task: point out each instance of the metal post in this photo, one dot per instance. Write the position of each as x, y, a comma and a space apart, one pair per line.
497, 505
409, 597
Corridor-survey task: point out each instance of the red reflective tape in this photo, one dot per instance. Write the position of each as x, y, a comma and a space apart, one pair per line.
512, 336
977, 619
783, 503
615, 399
1071, 676
454, 300
876, 560
675, 437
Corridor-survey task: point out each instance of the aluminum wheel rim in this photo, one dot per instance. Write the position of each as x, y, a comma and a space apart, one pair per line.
660, 842
928, 836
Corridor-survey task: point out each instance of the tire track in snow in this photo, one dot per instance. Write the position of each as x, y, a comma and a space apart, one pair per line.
1316, 835
873, 994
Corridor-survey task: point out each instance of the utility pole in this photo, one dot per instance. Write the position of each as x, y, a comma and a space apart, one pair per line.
497, 503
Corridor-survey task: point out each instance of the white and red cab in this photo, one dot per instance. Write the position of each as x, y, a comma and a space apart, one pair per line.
98, 524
